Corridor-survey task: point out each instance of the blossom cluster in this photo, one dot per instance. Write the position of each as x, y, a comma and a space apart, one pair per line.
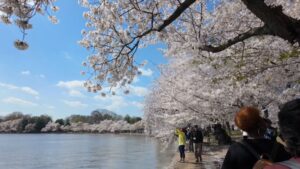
19, 12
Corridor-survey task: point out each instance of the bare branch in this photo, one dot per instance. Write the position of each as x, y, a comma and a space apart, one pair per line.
253, 32
278, 23
183, 6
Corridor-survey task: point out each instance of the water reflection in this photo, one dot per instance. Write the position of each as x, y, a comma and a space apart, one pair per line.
76, 151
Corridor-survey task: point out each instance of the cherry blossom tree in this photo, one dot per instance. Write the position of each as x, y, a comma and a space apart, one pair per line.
116, 29
189, 92
223, 54
19, 12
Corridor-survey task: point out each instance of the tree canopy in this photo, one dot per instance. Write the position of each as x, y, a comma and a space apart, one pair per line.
223, 54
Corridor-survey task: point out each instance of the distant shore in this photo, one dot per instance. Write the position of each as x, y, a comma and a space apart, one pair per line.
134, 134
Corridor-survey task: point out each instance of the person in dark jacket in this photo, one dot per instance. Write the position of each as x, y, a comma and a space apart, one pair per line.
190, 141
197, 138
239, 156
289, 124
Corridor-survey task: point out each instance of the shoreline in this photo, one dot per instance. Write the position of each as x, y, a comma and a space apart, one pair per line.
133, 134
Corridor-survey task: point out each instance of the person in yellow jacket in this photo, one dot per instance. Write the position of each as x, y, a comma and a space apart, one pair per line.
181, 143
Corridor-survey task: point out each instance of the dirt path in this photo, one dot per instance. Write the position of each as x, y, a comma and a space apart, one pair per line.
212, 159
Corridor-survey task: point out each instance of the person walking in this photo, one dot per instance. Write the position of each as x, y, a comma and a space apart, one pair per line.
197, 138
181, 143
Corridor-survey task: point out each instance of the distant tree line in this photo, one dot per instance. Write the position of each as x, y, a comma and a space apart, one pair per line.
132, 120
97, 116
29, 124
34, 124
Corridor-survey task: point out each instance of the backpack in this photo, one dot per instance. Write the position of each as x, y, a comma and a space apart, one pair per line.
292, 164
261, 162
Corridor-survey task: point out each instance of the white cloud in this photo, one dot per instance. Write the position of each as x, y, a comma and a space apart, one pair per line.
76, 104
133, 90
18, 101
29, 91
113, 103
76, 93
138, 90
135, 80
146, 72
42, 76
73, 87
70, 84
24, 89
26, 72
137, 104
117, 103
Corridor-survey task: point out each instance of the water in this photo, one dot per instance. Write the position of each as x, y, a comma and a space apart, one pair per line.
80, 151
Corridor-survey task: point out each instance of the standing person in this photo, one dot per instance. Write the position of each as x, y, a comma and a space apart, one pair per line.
244, 154
197, 138
181, 143
190, 141
289, 125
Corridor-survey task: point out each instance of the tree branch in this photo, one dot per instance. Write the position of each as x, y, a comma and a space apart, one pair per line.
253, 32
183, 6
278, 23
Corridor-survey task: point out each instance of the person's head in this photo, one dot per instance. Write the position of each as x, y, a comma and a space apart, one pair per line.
248, 119
289, 124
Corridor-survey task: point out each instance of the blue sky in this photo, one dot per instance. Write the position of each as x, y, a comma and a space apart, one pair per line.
45, 79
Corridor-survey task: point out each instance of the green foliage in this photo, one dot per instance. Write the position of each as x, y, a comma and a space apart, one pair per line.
60, 121
79, 118
239, 77
132, 120
40, 122
195, 62
240, 65
36, 123
13, 116
95, 117
291, 54
216, 80
24, 122
67, 122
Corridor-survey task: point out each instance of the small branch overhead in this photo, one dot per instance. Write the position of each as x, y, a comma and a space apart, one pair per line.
251, 33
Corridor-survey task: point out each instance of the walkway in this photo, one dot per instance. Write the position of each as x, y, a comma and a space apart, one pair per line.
212, 159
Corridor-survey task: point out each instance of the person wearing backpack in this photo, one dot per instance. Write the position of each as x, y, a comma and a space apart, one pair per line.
244, 154
197, 138
289, 125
